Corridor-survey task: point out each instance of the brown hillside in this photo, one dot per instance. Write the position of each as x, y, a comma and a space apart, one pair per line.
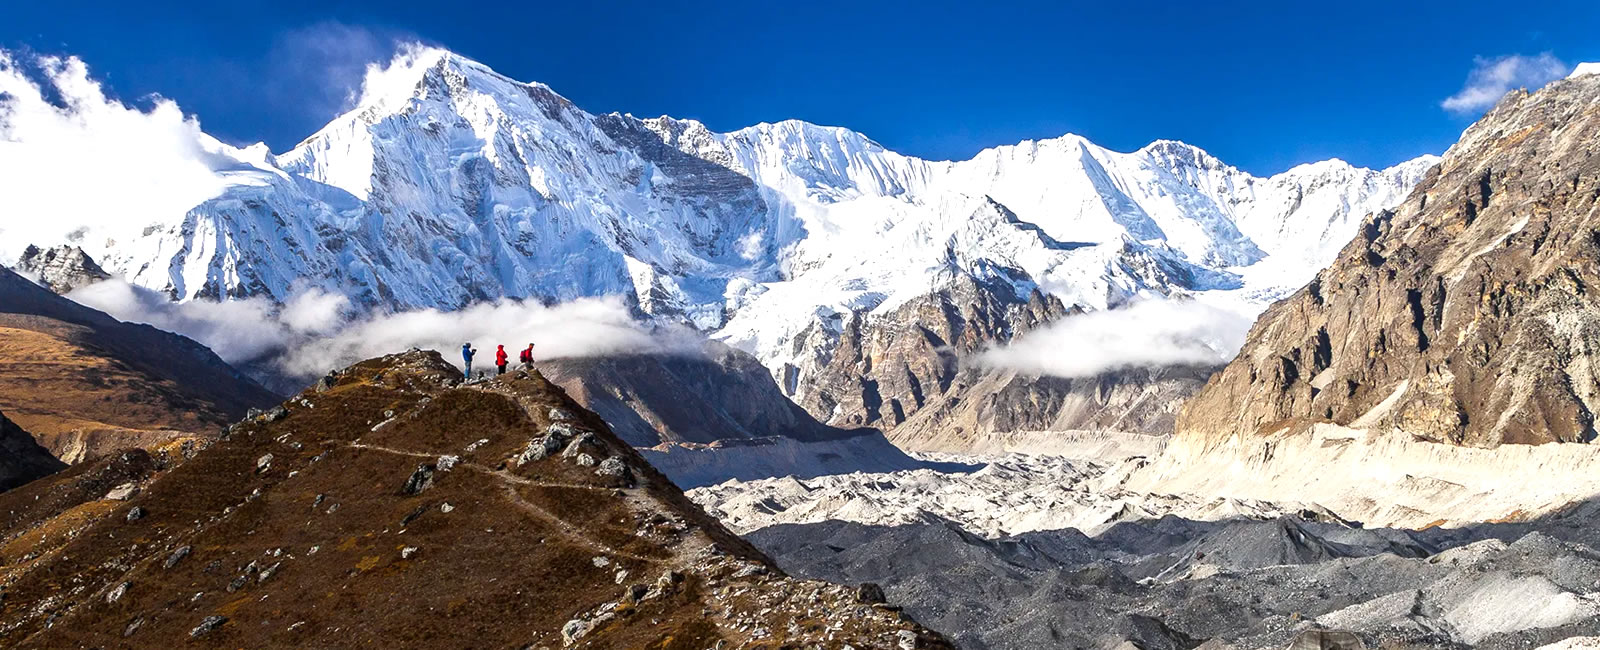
394, 507
87, 385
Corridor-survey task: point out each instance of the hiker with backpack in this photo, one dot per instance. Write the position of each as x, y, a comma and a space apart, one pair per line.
500, 358
527, 358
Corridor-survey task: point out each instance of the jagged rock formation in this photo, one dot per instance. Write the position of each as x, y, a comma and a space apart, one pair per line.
989, 410
1466, 315
393, 503
21, 458
882, 369
86, 384
61, 269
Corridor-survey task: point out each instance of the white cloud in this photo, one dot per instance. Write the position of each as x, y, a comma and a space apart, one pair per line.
315, 311
580, 328
319, 68
76, 163
1151, 333
309, 335
751, 245
237, 330
1492, 78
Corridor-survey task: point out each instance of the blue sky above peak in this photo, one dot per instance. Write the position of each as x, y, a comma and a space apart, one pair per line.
1259, 85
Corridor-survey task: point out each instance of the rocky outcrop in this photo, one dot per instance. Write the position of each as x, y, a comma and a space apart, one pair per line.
61, 269
22, 459
986, 407
338, 539
880, 370
1467, 315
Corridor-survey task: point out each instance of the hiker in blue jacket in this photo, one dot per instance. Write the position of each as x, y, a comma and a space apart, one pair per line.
466, 355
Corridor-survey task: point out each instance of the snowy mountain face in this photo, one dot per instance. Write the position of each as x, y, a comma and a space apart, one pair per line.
450, 184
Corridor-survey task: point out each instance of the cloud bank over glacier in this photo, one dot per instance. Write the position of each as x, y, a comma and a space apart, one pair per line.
1148, 333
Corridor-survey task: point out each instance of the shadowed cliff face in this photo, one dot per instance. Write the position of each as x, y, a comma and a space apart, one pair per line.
720, 394
22, 459
392, 504
1467, 315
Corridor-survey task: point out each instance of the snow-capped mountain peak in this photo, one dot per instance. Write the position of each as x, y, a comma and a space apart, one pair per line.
448, 184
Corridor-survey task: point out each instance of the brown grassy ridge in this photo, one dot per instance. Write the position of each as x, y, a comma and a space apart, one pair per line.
311, 549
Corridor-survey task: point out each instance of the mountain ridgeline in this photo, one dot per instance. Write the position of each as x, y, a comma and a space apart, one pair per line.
810, 247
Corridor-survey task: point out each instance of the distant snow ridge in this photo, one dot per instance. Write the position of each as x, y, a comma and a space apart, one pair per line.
450, 184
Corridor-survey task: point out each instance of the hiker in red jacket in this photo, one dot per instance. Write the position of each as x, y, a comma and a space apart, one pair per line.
500, 358
527, 358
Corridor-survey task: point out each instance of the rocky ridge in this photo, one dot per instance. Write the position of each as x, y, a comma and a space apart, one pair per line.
811, 247
61, 269
302, 523
1466, 315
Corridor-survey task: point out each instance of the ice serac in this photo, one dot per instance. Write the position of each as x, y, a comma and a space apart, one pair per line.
1465, 315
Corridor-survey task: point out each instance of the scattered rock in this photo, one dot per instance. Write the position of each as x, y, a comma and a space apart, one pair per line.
870, 593
177, 556
907, 640
135, 514
133, 626
585, 460
613, 467
575, 629
1318, 639
277, 413
123, 492
420, 480
601, 561
446, 463
206, 625
558, 414
263, 463
267, 572
580, 443
446, 507
118, 592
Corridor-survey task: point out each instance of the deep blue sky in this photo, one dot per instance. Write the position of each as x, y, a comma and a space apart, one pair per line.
1261, 86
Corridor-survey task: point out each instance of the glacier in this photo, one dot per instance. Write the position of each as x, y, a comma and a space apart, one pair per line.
449, 185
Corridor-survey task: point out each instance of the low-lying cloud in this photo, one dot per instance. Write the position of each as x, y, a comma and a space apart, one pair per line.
1492, 78
1150, 333
76, 161
313, 332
